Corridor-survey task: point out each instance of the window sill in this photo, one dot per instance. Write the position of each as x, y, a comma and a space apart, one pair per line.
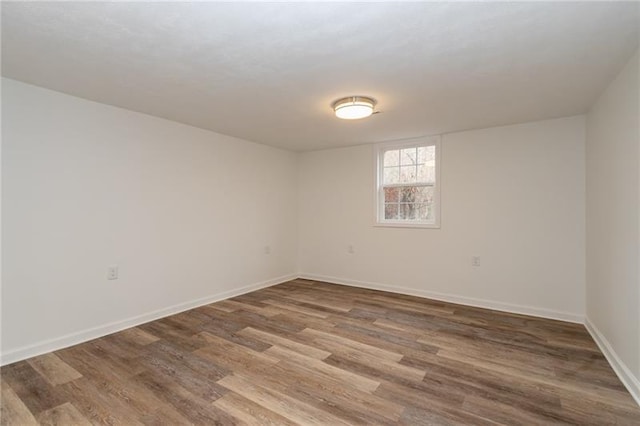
406, 225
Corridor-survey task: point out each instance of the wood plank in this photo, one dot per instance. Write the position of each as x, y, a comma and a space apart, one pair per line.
34, 391
267, 311
187, 370
139, 336
53, 369
188, 405
65, 414
280, 403
247, 412
164, 415
347, 402
232, 356
288, 306
326, 392
347, 378
376, 367
12, 410
227, 328
96, 405
328, 338
283, 342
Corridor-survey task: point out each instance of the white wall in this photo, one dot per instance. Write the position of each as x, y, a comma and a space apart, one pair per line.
512, 195
613, 228
184, 212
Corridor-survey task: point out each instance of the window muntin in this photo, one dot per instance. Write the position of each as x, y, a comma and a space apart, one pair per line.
407, 176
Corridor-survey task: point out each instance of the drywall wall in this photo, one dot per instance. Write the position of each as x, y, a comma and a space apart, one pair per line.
613, 229
185, 214
512, 195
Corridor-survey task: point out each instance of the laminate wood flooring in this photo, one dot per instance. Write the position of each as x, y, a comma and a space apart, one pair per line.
313, 353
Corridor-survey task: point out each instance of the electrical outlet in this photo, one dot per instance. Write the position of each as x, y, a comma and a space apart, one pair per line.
112, 272
475, 261
267, 249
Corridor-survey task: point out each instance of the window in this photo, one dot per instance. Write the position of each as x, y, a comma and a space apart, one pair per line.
407, 192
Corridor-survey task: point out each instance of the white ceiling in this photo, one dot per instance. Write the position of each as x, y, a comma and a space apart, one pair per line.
268, 72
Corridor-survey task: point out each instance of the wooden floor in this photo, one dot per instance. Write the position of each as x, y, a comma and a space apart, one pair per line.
313, 353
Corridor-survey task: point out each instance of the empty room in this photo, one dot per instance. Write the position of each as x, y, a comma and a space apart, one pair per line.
320, 213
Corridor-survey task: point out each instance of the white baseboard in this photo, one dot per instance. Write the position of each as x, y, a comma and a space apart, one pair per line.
627, 378
102, 330
452, 298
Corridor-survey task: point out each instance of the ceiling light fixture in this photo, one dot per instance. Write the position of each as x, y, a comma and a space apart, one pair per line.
353, 107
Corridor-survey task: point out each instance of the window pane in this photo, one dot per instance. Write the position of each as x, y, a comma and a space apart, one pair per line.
408, 156
416, 203
407, 211
422, 154
391, 175
426, 173
426, 153
424, 194
415, 211
408, 174
423, 212
391, 195
392, 158
391, 211
408, 194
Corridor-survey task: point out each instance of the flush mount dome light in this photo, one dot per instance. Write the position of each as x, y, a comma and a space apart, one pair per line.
354, 107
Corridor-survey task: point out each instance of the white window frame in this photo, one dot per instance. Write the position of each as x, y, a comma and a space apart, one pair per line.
379, 150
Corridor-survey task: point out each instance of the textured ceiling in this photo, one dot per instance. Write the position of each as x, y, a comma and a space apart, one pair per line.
268, 72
